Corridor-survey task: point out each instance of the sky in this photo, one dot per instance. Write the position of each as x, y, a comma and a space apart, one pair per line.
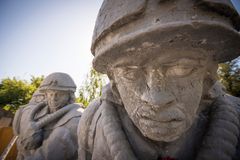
236, 4
38, 37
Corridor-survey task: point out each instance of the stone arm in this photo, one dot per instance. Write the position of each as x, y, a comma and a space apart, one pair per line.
235, 103
17, 120
33, 135
237, 154
61, 144
86, 130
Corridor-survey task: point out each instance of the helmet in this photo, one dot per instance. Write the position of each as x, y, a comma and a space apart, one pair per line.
37, 93
135, 28
58, 81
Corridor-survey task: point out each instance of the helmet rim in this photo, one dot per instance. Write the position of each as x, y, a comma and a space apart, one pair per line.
223, 42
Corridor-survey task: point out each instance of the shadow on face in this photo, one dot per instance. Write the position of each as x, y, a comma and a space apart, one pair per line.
57, 99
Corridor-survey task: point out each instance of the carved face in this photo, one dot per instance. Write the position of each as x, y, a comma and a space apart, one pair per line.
56, 99
161, 96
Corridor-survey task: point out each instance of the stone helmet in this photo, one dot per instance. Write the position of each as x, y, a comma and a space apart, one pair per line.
37, 93
58, 81
137, 28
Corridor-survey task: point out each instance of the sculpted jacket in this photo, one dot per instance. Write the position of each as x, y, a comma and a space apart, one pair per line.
105, 132
58, 139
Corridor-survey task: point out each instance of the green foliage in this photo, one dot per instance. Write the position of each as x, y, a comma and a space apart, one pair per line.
14, 93
36, 81
91, 88
229, 74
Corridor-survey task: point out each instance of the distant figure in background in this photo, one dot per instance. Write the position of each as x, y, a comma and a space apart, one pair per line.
37, 97
47, 127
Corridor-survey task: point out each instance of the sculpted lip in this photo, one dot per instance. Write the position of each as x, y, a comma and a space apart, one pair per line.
170, 114
174, 120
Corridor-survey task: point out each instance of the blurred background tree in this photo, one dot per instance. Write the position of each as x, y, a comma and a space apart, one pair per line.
15, 93
229, 76
91, 88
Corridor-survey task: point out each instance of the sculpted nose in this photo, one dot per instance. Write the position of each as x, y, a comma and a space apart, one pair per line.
157, 97
156, 93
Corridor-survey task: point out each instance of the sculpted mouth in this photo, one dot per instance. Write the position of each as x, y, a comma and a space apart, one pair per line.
160, 126
157, 123
171, 119
171, 114
54, 105
164, 120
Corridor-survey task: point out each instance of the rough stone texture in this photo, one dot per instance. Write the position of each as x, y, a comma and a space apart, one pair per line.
47, 126
108, 19
171, 24
163, 101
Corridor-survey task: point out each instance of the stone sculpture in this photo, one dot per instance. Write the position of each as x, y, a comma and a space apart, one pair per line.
47, 126
161, 58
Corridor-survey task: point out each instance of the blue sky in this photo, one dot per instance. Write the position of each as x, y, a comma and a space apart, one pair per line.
38, 37
236, 4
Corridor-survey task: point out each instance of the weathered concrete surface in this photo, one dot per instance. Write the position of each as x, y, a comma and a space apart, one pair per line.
162, 102
47, 127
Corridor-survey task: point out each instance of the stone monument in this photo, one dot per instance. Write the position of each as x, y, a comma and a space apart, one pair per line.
161, 58
47, 126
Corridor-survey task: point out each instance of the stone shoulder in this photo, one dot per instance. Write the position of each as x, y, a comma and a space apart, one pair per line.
88, 116
17, 118
235, 102
87, 127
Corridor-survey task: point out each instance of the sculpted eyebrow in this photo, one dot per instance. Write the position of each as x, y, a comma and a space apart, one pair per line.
127, 65
183, 61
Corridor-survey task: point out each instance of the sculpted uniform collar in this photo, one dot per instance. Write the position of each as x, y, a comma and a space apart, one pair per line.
44, 111
74, 112
221, 112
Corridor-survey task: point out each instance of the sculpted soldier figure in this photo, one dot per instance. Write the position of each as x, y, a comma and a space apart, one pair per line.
37, 97
47, 130
161, 58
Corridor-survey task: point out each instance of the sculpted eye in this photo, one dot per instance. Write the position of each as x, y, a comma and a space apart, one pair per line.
130, 73
179, 71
